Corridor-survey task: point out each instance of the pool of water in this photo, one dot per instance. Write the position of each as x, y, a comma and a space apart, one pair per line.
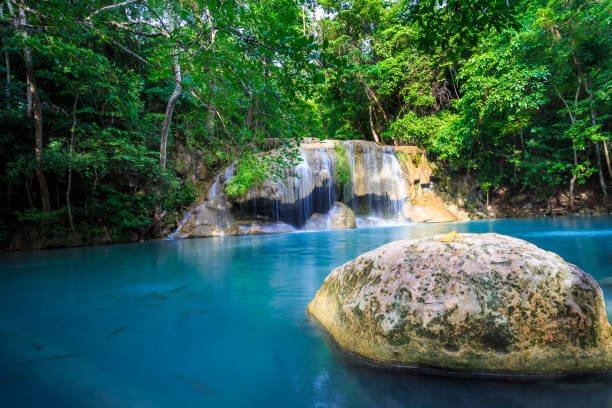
220, 322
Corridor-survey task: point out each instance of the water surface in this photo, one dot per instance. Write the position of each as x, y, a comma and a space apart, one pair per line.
220, 322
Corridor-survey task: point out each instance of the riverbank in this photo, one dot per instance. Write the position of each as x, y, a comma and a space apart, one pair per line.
396, 183
503, 204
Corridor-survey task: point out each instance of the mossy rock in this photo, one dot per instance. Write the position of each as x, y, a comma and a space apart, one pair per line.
477, 303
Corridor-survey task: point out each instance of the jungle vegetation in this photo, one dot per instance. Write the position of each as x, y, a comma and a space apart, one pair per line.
113, 110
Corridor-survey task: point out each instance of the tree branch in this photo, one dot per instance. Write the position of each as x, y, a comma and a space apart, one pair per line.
124, 26
124, 48
109, 7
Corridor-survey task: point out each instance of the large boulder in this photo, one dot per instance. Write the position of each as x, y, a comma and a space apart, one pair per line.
204, 221
317, 222
338, 217
484, 303
341, 217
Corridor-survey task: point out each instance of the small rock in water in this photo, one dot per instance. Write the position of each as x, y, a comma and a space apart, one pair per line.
477, 303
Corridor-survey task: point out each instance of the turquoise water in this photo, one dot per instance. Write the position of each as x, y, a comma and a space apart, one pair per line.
220, 322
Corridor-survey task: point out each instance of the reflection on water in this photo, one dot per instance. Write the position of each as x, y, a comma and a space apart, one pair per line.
221, 322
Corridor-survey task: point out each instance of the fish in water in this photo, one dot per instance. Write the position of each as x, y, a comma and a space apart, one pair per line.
152, 305
198, 386
157, 295
195, 312
122, 328
179, 288
606, 281
50, 358
37, 346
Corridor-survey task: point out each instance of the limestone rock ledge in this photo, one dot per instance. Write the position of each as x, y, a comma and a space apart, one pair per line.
478, 303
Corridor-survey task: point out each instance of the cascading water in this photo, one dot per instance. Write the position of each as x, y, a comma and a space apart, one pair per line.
378, 189
214, 211
303, 190
378, 185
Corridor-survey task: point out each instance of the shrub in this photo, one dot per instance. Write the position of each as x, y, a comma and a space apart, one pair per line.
250, 171
342, 170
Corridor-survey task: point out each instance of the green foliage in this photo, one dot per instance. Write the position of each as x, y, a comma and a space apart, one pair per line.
515, 92
416, 160
402, 157
417, 130
342, 168
458, 25
250, 171
51, 223
105, 76
495, 88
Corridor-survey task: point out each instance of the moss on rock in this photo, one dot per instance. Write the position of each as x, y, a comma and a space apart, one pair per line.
479, 302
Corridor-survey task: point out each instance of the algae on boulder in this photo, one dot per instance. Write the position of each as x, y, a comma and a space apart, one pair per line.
483, 303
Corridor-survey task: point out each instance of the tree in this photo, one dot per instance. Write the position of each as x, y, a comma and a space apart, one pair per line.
20, 22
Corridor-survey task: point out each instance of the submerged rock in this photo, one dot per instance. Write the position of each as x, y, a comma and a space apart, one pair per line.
483, 303
338, 217
317, 222
256, 227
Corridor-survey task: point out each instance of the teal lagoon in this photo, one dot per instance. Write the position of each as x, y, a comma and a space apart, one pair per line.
221, 322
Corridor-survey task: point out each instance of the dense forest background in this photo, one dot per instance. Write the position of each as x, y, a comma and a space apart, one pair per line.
112, 112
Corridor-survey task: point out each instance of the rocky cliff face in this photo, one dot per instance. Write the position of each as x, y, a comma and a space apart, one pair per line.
386, 184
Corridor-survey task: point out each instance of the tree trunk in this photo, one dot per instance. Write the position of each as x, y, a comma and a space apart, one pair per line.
212, 108
169, 111
373, 98
607, 155
594, 121
575, 154
573, 179
372, 127
176, 93
602, 181
28, 184
38, 115
587, 88
7, 63
72, 131
28, 98
249, 119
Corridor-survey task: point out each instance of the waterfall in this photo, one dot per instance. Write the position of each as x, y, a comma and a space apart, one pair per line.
377, 180
378, 190
303, 190
377, 186
214, 213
